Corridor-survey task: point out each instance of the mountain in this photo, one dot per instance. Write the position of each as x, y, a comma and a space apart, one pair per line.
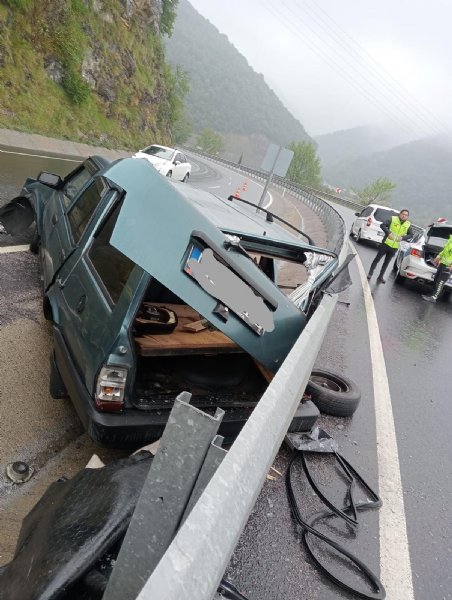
351, 143
225, 93
421, 170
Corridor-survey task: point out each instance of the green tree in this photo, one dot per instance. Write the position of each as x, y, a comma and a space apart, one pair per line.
377, 192
305, 166
168, 16
210, 141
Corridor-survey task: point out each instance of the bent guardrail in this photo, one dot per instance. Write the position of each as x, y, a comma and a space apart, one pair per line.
195, 561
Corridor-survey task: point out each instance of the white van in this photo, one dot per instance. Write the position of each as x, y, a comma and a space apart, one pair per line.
366, 226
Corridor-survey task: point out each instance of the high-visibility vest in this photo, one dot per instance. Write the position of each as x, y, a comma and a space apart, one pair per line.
445, 256
399, 229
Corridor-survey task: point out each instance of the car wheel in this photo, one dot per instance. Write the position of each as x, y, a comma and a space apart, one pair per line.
185, 179
394, 266
35, 242
351, 234
333, 394
57, 388
358, 236
169, 174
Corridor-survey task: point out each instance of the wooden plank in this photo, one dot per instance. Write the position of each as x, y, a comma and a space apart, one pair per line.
184, 342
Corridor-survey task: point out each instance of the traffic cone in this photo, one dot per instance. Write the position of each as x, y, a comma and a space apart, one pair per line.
245, 186
237, 193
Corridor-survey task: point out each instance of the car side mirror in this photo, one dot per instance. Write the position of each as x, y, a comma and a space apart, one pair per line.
177, 162
50, 179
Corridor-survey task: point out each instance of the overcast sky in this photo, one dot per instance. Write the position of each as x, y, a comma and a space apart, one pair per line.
338, 64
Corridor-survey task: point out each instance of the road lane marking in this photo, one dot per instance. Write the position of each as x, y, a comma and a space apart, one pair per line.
395, 564
10, 249
42, 156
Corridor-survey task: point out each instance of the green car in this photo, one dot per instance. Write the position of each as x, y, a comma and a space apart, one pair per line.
154, 287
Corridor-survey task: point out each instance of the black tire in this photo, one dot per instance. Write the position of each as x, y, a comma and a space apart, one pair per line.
169, 174
358, 236
186, 178
57, 388
35, 242
333, 394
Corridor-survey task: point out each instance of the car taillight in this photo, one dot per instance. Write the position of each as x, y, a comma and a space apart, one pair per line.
416, 252
369, 221
110, 389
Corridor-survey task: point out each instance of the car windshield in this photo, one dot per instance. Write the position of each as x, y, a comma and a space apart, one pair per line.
439, 236
160, 152
382, 214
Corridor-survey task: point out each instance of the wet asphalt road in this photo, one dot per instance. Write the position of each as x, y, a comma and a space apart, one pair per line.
269, 562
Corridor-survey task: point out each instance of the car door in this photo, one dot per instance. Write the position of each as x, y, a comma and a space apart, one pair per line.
57, 239
362, 219
179, 166
89, 290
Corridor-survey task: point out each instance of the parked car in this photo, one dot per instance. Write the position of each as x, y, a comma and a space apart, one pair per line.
367, 224
168, 161
414, 260
154, 287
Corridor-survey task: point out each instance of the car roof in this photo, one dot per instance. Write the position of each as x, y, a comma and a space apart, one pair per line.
385, 207
160, 146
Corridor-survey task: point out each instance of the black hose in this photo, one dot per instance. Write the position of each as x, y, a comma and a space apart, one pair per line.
378, 591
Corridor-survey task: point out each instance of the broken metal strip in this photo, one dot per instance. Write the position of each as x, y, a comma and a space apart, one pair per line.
164, 497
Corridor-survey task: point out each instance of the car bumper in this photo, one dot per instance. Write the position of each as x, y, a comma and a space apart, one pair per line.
416, 271
131, 428
371, 235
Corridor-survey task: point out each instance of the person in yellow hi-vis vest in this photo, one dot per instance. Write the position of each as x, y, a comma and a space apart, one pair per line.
443, 262
396, 229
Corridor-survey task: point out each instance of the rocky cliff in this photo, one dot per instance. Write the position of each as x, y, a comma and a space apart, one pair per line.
91, 70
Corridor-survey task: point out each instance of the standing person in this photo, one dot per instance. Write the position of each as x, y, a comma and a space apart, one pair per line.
396, 229
443, 262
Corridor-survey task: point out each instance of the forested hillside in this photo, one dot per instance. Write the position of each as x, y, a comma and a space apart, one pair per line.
225, 93
420, 169
89, 70
351, 143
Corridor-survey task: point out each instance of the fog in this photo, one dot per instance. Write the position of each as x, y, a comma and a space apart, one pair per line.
338, 65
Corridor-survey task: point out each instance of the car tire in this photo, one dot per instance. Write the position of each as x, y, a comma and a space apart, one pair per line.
35, 242
169, 174
186, 178
358, 236
351, 234
333, 394
57, 388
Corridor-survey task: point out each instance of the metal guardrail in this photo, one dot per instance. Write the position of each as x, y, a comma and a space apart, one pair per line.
195, 561
313, 198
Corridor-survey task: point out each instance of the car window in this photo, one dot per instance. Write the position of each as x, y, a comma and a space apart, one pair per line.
166, 153
80, 213
179, 157
382, 214
74, 184
183, 158
366, 212
439, 236
112, 266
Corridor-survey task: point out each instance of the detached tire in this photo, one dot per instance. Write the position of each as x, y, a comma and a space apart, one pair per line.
333, 394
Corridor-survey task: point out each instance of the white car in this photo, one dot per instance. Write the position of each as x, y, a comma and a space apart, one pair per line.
367, 224
168, 161
414, 260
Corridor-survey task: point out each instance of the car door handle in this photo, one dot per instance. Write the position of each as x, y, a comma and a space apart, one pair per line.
54, 219
81, 304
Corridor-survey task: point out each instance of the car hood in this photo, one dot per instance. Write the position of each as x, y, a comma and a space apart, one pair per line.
157, 228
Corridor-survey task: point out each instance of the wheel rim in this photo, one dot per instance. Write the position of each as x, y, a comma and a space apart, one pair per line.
329, 384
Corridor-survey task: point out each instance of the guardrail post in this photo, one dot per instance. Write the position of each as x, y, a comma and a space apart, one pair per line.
165, 498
